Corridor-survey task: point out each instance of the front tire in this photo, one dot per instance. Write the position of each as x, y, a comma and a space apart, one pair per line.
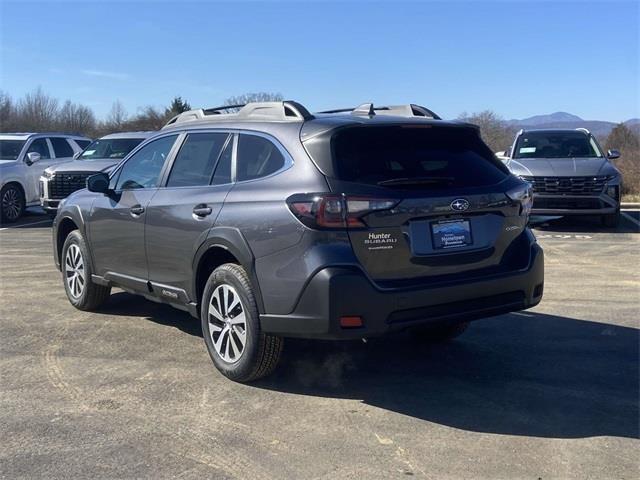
76, 275
231, 327
12, 203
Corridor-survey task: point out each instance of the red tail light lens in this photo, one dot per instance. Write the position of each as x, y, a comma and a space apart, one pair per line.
328, 211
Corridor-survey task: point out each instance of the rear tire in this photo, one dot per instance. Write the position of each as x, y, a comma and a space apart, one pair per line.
231, 327
12, 203
442, 333
612, 220
76, 275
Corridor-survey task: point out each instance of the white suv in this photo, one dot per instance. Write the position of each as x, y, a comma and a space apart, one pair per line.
23, 158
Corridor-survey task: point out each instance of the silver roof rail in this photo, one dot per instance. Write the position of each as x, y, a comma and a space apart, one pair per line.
276, 111
409, 110
582, 129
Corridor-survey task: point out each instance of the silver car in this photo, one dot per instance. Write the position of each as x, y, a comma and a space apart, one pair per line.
59, 181
569, 172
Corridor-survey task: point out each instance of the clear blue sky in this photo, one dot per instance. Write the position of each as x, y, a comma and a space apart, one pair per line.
516, 58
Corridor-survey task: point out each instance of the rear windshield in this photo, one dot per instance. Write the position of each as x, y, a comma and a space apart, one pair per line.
415, 157
556, 145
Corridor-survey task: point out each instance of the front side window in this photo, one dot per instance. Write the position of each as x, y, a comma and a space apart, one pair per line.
110, 148
10, 149
61, 147
39, 145
556, 145
197, 159
257, 157
143, 169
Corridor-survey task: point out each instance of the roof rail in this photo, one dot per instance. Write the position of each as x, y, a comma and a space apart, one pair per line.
287, 110
368, 109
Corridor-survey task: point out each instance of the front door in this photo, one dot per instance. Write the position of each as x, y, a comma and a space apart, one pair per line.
181, 213
116, 223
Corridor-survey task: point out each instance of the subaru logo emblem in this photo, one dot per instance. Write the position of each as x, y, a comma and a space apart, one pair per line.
460, 204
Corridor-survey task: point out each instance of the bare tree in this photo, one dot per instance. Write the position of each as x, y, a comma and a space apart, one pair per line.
7, 112
76, 118
253, 97
117, 117
494, 130
622, 138
37, 111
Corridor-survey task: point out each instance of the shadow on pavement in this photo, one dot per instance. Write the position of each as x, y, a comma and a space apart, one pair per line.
519, 374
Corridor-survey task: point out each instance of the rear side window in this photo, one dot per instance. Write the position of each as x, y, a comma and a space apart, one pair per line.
223, 169
257, 157
61, 147
196, 159
83, 143
414, 157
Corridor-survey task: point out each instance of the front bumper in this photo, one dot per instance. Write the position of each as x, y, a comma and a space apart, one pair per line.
573, 205
336, 292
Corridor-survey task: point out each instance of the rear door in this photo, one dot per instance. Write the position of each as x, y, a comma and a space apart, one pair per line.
450, 212
116, 222
183, 210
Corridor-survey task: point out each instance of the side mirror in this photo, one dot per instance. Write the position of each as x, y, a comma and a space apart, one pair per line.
98, 183
613, 154
77, 155
33, 157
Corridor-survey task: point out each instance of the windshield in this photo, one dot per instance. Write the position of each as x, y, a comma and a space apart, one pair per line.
115, 148
556, 145
10, 149
415, 157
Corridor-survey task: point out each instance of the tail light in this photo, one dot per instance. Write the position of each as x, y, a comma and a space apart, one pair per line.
327, 211
523, 194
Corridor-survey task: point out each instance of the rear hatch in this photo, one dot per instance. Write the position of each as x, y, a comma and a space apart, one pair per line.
423, 202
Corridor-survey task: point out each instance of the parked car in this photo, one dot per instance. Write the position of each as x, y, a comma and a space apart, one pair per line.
569, 172
58, 181
273, 222
23, 158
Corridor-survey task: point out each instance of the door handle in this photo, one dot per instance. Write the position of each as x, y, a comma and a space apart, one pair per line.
137, 210
202, 210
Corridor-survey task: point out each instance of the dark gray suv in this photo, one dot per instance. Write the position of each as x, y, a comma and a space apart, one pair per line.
270, 222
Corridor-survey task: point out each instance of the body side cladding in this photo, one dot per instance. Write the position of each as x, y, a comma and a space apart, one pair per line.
231, 240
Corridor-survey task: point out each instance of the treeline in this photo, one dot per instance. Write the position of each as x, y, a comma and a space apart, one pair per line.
38, 112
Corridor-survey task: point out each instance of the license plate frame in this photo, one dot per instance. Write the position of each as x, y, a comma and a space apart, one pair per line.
454, 233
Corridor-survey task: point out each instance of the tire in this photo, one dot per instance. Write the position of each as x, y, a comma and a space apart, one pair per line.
611, 221
12, 203
441, 333
223, 327
81, 292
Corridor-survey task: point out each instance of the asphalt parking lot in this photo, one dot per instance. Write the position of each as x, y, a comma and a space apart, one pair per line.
130, 391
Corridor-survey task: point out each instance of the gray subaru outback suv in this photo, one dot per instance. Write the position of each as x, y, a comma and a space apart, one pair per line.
273, 222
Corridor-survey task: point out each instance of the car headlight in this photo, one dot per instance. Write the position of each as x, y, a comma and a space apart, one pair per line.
47, 175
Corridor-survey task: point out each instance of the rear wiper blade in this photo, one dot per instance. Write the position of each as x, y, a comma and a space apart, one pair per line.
418, 181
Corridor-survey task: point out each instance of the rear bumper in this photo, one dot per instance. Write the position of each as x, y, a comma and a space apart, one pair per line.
336, 292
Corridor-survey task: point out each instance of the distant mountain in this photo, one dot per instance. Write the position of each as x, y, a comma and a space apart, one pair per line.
599, 128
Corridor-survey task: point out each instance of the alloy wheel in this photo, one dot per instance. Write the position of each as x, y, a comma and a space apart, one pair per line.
74, 270
227, 323
11, 204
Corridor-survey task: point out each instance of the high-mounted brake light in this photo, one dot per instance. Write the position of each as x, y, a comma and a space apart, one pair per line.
329, 211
